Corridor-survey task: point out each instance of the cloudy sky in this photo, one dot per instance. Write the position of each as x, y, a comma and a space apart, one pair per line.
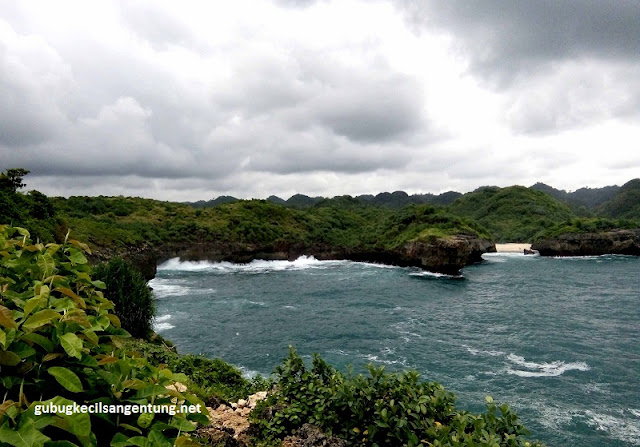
193, 99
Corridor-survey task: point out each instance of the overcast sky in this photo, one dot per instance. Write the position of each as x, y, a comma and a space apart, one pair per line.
194, 99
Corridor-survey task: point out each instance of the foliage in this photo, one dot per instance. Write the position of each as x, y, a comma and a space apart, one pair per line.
211, 379
625, 204
134, 304
382, 409
11, 179
512, 214
588, 225
60, 343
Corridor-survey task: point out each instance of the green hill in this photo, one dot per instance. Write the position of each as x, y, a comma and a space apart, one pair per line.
625, 204
512, 214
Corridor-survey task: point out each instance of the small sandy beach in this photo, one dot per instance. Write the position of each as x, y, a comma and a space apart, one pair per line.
512, 248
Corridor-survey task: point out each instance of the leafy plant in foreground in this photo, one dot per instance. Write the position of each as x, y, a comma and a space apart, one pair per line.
60, 343
381, 409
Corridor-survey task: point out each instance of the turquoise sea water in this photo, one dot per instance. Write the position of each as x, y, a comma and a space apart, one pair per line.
556, 338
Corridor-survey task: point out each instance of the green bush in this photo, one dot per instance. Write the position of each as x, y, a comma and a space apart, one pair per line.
60, 343
379, 410
213, 380
133, 300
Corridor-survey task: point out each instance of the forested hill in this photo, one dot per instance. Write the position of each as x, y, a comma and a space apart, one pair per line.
511, 214
394, 200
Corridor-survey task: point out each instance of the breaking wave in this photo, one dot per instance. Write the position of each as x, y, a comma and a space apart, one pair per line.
532, 369
255, 266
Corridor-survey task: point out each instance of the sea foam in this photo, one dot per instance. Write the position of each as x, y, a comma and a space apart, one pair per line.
255, 266
543, 369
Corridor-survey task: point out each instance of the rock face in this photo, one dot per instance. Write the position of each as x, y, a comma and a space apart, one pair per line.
621, 242
442, 255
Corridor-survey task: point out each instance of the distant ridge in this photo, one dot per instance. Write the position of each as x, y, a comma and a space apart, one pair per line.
590, 198
394, 200
609, 201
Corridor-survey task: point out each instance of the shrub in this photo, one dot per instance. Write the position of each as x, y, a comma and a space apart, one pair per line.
131, 295
379, 410
60, 343
213, 379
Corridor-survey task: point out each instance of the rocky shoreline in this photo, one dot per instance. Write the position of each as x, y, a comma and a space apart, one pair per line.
442, 255
620, 242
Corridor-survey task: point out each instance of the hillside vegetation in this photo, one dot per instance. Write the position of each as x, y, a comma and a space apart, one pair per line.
512, 214
120, 224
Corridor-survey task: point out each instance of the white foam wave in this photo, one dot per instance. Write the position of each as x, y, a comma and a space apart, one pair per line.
634, 412
375, 359
255, 266
491, 353
621, 428
161, 323
543, 369
425, 273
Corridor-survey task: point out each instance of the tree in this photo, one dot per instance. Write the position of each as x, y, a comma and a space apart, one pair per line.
11, 179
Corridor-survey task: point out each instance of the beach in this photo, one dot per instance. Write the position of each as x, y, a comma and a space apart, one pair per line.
512, 248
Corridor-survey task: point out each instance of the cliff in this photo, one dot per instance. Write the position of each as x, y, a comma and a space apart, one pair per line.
443, 255
622, 242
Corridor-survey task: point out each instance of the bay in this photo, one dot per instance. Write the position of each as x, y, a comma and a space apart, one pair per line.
555, 338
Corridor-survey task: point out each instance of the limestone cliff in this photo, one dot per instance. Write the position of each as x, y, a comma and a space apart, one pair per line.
623, 242
443, 255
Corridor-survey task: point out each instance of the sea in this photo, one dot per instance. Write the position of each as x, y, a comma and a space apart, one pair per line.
557, 339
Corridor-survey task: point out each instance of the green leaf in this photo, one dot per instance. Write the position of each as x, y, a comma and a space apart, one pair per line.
139, 441
182, 424
25, 436
151, 390
34, 302
99, 284
40, 319
76, 256
72, 345
9, 358
66, 378
61, 444
78, 424
3, 339
6, 318
46, 264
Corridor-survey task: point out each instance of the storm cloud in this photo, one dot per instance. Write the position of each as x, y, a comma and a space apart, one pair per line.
253, 98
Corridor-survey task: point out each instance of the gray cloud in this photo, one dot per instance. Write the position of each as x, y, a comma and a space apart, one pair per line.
505, 37
146, 102
561, 64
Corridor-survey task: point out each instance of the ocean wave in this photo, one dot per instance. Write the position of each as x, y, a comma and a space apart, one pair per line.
543, 369
170, 289
255, 266
427, 274
474, 351
505, 256
621, 428
402, 361
161, 323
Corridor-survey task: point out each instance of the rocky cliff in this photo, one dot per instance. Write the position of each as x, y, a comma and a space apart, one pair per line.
443, 255
623, 242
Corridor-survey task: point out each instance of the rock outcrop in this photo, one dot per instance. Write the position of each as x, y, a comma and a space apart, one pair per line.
621, 242
443, 255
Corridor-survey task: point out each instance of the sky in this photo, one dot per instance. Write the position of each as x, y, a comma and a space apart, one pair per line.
191, 100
